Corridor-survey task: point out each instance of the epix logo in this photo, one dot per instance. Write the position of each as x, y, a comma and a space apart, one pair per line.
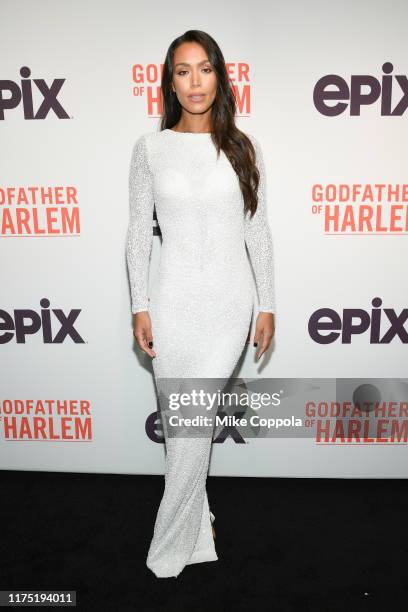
54, 329
356, 321
354, 96
12, 93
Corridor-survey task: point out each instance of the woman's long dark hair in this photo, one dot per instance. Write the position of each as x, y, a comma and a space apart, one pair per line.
237, 147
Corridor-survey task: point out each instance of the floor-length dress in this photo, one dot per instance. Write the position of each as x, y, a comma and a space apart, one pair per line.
200, 305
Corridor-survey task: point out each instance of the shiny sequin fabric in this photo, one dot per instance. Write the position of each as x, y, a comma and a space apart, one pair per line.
201, 303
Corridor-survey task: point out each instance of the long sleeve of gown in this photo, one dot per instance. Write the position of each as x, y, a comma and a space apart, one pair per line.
258, 239
140, 229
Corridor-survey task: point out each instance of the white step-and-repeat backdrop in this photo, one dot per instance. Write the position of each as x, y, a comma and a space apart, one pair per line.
323, 86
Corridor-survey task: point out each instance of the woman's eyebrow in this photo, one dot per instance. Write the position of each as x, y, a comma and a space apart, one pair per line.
186, 64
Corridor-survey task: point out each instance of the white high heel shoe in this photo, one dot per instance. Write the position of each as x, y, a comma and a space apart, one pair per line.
207, 554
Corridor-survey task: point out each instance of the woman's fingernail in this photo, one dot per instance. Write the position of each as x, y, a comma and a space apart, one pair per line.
150, 344
255, 344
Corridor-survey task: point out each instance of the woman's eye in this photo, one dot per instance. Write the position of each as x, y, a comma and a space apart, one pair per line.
182, 72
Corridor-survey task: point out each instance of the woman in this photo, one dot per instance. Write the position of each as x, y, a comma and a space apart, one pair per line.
207, 181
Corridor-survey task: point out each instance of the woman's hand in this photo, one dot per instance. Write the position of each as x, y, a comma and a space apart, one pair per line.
265, 327
142, 331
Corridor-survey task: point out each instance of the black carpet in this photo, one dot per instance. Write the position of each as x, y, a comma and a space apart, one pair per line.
283, 544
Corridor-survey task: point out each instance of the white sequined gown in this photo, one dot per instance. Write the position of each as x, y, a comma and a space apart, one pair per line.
200, 305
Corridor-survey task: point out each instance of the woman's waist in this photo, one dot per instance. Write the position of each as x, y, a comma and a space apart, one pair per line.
191, 253
201, 263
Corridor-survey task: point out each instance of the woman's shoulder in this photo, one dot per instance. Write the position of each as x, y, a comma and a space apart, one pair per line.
150, 136
150, 141
259, 154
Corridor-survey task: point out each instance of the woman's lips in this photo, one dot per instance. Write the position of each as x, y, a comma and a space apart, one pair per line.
196, 98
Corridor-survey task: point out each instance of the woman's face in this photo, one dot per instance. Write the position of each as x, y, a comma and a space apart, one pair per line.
194, 79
